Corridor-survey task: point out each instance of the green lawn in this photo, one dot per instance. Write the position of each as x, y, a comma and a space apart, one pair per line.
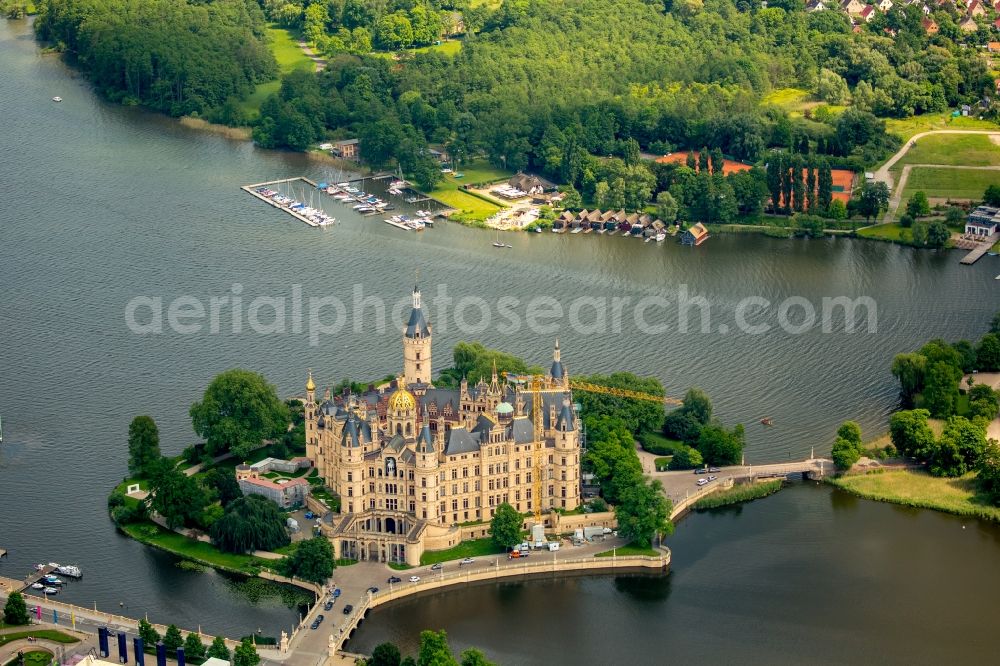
630, 549
662, 462
918, 489
45, 634
788, 99
890, 232
450, 47
290, 57
198, 551
34, 658
472, 207
950, 183
952, 149
475, 548
907, 127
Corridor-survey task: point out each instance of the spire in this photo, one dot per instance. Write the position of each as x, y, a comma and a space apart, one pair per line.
310, 384
416, 297
555, 354
425, 441
556, 372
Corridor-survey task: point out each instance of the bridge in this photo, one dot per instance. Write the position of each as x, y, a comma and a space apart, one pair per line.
682, 487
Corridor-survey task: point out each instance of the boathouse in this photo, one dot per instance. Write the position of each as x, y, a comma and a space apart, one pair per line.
694, 235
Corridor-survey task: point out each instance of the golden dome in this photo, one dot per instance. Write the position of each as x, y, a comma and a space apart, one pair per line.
402, 401
310, 385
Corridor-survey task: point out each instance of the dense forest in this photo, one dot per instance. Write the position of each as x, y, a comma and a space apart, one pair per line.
545, 85
177, 57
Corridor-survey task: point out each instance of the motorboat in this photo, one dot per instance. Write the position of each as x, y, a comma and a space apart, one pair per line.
52, 580
37, 586
57, 98
767, 420
69, 570
50, 590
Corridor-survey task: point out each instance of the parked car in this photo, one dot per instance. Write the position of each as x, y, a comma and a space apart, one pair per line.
310, 515
703, 470
467, 560
318, 621
714, 469
328, 605
437, 567
315, 625
347, 609
524, 546
414, 579
395, 579
514, 554
373, 589
712, 478
336, 593
702, 482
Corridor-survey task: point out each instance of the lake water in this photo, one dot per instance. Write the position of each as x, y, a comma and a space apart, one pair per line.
103, 204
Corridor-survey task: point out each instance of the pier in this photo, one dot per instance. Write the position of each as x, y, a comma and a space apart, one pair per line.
981, 248
252, 190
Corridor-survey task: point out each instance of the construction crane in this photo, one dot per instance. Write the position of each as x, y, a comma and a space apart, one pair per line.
578, 385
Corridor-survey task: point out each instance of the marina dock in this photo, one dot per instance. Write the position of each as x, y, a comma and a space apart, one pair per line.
981, 249
252, 189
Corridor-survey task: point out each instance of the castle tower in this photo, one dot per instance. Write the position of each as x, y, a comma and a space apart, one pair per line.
427, 476
401, 414
310, 414
417, 345
557, 373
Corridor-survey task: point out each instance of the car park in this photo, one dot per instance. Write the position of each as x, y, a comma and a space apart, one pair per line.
347, 609
414, 579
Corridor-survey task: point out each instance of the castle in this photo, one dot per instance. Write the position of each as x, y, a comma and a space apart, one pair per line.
422, 468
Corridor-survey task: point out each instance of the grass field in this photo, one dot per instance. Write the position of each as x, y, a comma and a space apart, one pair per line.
450, 47
472, 207
952, 149
629, 549
907, 127
950, 183
890, 232
44, 634
475, 548
290, 57
198, 551
34, 658
795, 101
918, 489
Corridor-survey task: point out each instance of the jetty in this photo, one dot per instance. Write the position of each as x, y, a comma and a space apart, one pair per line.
981, 248
252, 190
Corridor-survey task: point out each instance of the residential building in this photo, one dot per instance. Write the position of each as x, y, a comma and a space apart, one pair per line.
286, 493
930, 25
884, 5
867, 14
968, 25
346, 149
983, 222
976, 9
852, 7
420, 468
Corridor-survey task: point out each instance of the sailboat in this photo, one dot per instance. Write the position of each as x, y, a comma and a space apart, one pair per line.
1, 430
497, 242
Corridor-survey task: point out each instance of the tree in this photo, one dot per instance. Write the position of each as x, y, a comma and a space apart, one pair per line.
697, 403
991, 197
850, 431
643, 512
988, 352
686, 457
611, 455
193, 647
718, 161
384, 654
873, 200
683, 426
811, 188
918, 234
474, 657
172, 639
238, 411
149, 635
844, 453
988, 478
941, 388
798, 186
946, 459
824, 186
312, 561
909, 370
984, 402
910, 433
177, 497
224, 483
15, 611
703, 166
995, 324
572, 199
720, 447
968, 437
245, 654
837, 210
434, 650
250, 523
937, 234
638, 415
918, 205
505, 528
218, 649
666, 207
143, 445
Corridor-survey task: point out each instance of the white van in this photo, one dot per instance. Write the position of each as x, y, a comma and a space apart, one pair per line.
553, 545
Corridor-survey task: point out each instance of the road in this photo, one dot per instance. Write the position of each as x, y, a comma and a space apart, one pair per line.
882, 175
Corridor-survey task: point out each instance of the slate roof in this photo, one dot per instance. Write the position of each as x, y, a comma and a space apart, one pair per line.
461, 440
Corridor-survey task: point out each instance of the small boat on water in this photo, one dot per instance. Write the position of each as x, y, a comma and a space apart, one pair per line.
660, 237
74, 571
51, 580
37, 586
767, 420
50, 590
57, 98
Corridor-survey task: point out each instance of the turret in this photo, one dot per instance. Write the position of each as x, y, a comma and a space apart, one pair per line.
310, 418
417, 345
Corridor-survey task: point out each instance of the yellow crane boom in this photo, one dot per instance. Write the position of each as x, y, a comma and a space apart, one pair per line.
578, 385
